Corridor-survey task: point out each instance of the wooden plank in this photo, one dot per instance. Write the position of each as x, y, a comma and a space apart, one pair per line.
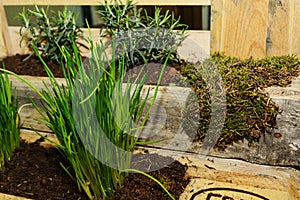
294, 31
15, 40
164, 120
3, 51
3, 32
283, 31
31, 136
97, 2
197, 42
28, 116
208, 174
216, 24
239, 27
278, 30
11, 197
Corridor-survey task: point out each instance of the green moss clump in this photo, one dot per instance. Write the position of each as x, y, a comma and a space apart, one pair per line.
249, 108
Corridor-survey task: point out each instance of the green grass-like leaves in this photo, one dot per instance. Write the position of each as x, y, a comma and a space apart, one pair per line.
96, 120
9, 120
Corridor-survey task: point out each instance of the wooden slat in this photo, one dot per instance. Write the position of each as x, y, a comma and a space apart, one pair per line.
239, 27
283, 30
294, 31
216, 22
279, 14
5, 43
197, 42
255, 28
97, 2
3, 51
157, 125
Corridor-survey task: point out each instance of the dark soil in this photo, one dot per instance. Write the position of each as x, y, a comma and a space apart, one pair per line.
171, 176
34, 67
34, 172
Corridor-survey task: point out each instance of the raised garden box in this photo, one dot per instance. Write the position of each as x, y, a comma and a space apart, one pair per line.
280, 146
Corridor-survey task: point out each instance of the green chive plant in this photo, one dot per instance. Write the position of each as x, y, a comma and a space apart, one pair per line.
96, 120
48, 33
9, 120
143, 38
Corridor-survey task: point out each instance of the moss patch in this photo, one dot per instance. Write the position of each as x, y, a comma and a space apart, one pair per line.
249, 108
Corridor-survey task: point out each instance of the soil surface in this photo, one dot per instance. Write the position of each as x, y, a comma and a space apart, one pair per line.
34, 172
34, 67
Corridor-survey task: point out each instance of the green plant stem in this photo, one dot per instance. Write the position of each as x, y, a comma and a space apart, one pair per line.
24, 81
152, 178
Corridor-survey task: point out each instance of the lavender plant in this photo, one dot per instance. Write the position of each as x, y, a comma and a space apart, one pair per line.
140, 37
49, 33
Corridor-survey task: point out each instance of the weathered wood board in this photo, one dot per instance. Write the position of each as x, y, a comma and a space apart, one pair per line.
283, 30
194, 48
4, 33
164, 121
98, 2
239, 27
218, 177
256, 28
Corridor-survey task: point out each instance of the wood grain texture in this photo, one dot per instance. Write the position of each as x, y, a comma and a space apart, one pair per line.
283, 31
197, 42
3, 51
294, 30
5, 44
97, 2
239, 27
278, 28
216, 25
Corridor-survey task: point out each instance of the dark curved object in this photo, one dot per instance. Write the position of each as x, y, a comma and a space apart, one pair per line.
227, 189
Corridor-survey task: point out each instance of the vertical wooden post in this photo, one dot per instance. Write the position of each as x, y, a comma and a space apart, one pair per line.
278, 34
239, 27
3, 50
216, 26
294, 30
5, 40
284, 29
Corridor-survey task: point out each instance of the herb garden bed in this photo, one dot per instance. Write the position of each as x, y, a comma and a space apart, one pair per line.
43, 178
283, 139
205, 176
210, 173
220, 105
44, 175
